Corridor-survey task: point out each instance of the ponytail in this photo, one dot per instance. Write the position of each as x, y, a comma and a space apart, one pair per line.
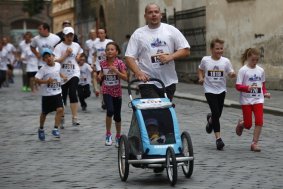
248, 52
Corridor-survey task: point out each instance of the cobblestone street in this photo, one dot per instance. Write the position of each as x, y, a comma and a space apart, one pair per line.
81, 160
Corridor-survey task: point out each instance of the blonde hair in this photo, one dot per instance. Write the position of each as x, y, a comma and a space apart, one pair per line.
248, 52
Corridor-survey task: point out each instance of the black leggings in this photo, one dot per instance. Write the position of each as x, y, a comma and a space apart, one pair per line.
216, 103
3, 74
70, 88
113, 106
83, 93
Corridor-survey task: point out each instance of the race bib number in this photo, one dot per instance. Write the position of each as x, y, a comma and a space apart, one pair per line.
215, 75
155, 60
52, 87
111, 80
69, 68
83, 80
254, 93
101, 58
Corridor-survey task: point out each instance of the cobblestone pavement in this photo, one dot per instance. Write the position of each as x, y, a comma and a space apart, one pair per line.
80, 159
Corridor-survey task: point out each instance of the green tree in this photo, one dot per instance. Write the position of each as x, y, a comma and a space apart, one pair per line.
33, 7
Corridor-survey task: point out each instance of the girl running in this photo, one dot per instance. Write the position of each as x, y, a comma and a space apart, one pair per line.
112, 70
251, 84
212, 74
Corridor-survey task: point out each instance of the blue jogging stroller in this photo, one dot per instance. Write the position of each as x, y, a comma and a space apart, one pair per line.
154, 140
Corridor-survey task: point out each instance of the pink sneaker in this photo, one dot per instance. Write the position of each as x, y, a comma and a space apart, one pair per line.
239, 128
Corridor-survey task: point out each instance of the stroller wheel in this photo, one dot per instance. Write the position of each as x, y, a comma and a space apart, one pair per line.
171, 166
187, 150
123, 157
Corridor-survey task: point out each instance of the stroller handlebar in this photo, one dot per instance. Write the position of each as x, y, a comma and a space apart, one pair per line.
151, 79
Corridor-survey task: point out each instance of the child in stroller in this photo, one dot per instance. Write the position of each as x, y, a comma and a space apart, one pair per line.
152, 127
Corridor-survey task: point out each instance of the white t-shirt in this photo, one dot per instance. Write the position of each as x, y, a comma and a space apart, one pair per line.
4, 59
146, 43
69, 67
10, 48
30, 59
215, 74
22, 46
90, 48
251, 77
99, 49
45, 42
85, 77
53, 72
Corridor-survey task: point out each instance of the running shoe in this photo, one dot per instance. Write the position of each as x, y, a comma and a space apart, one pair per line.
41, 134
108, 140
255, 147
239, 128
56, 133
208, 127
75, 122
84, 108
24, 89
219, 144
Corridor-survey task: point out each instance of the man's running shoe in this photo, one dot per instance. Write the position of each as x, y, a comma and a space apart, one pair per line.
56, 133
108, 140
219, 144
239, 128
41, 134
208, 127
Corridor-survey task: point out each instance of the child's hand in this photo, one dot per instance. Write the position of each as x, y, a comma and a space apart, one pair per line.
69, 51
200, 81
267, 95
232, 75
49, 80
113, 69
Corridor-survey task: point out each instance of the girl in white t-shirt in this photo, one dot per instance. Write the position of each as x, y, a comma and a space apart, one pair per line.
67, 53
251, 84
212, 74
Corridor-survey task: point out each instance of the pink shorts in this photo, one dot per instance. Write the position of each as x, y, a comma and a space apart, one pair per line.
247, 115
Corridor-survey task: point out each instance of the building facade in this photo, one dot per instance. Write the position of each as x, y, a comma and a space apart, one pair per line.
14, 22
241, 23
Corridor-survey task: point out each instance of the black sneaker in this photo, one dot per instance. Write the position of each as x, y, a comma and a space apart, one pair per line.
219, 144
208, 127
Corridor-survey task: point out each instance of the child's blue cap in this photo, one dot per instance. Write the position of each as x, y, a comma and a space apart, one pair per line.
151, 121
46, 51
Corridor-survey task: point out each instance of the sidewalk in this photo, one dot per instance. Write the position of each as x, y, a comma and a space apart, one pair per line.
274, 105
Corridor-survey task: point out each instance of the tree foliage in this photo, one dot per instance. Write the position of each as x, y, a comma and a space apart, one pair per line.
33, 7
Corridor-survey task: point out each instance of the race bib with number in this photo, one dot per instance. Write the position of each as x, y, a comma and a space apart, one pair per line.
52, 87
215, 75
111, 80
